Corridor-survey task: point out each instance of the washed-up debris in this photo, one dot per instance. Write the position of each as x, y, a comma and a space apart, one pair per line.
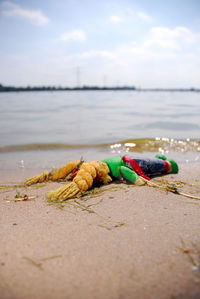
25, 197
112, 226
4, 187
85, 175
173, 187
39, 263
33, 263
20, 197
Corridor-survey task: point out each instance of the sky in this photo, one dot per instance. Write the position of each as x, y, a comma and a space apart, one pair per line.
141, 43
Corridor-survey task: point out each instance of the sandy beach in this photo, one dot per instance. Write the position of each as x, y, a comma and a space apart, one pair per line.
124, 242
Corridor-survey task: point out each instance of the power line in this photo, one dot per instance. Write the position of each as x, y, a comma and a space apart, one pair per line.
78, 76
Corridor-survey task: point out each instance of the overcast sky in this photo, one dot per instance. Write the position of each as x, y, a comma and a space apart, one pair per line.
124, 42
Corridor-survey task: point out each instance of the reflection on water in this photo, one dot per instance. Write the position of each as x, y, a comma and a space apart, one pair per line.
162, 145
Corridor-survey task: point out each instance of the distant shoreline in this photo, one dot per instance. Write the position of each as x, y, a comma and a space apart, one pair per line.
91, 88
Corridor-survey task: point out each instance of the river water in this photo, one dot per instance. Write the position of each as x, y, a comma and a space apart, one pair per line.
46, 129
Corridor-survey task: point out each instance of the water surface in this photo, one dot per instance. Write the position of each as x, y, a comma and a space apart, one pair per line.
40, 121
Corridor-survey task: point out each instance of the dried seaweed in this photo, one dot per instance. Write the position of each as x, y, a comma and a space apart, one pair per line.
96, 203
3, 187
94, 192
105, 226
59, 205
33, 263
50, 258
84, 208
112, 226
177, 183
39, 263
81, 204
38, 186
119, 224
171, 187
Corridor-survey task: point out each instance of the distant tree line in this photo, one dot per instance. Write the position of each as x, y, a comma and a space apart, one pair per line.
85, 87
54, 88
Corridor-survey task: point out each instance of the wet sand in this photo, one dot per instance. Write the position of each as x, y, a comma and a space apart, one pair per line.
126, 242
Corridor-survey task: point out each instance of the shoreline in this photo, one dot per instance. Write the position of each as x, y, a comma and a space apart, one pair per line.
125, 242
36, 161
132, 145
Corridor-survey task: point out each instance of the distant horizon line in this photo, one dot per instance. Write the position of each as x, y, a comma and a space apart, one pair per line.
4, 88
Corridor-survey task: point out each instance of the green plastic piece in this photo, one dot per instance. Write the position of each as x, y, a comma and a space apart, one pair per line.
174, 165
117, 169
159, 156
114, 164
128, 174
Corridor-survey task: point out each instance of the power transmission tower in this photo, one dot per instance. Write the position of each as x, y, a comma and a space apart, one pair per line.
78, 77
104, 81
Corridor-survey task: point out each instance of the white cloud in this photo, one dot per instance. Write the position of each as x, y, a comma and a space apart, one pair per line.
130, 16
77, 35
116, 19
177, 33
13, 10
144, 16
161, 44
167, 38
